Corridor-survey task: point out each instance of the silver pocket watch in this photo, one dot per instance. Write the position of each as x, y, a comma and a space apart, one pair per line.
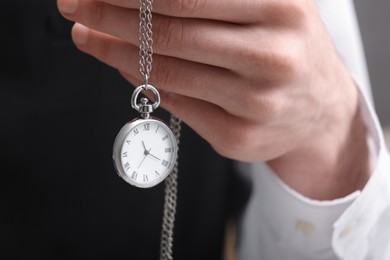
145, 149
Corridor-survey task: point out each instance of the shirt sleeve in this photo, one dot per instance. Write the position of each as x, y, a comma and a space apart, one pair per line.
280, 223
361, 231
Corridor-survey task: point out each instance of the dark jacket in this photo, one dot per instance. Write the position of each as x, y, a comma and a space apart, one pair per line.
60, 197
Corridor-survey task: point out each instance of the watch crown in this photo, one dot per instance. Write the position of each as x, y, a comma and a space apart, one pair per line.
145, 108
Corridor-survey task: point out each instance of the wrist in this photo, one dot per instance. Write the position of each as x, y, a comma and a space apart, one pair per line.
333, 161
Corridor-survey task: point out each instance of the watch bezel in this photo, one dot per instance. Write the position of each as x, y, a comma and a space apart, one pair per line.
119, 142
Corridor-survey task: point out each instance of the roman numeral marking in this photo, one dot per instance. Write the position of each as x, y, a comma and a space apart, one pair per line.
165, 163
125, 154
127, 166
134, 175
136, 131
128, 141
165, 138
146, 178
146, 127
157, 174
168, 150
158, 127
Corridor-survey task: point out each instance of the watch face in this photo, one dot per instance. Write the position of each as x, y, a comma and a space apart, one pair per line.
145, 152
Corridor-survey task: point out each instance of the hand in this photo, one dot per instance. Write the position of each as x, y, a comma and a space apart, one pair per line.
263, 71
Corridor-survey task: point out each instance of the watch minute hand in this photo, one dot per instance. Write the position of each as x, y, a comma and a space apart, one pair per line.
154, 156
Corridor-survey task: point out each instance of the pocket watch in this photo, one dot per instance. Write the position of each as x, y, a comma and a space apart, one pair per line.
145, 149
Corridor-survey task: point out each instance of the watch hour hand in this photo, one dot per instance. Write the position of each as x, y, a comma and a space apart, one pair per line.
144, 147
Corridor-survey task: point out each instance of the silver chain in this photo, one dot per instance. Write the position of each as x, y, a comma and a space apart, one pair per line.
145, 38
170, 199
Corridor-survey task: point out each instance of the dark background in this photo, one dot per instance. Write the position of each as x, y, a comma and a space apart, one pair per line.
54, 99
374, 21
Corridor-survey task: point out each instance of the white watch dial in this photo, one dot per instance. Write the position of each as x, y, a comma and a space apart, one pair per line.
146, 152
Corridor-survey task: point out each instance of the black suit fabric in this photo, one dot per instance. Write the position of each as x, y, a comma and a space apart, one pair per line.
60, 197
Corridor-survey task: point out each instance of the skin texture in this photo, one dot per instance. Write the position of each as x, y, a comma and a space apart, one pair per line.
263, 71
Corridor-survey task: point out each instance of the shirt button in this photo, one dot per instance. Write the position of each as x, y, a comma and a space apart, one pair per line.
305, 227
348, 229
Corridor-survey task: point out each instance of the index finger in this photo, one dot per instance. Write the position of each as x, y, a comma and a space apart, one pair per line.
234, 11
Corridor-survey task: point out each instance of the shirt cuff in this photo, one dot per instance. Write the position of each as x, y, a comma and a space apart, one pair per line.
342, 224
280, 223
359, 232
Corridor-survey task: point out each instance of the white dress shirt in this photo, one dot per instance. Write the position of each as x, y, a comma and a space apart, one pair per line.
281, 224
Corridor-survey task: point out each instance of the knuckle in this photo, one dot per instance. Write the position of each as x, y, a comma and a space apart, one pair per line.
276, 60
168, 33
286, 12
252, 101
284, 61
272, 109
253, 58
242, 138
263, 105
297, 15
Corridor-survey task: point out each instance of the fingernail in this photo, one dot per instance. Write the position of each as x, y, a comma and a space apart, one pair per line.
68, 6
80, 34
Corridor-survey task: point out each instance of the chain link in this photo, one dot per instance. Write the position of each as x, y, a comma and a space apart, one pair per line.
145, 38
170, 199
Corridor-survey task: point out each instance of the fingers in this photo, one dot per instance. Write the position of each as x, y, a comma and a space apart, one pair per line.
221, 10
247, 50
191, 79
181, 38
232, 83
231, 11
209, 120
227, 134
109, 19
222, 130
